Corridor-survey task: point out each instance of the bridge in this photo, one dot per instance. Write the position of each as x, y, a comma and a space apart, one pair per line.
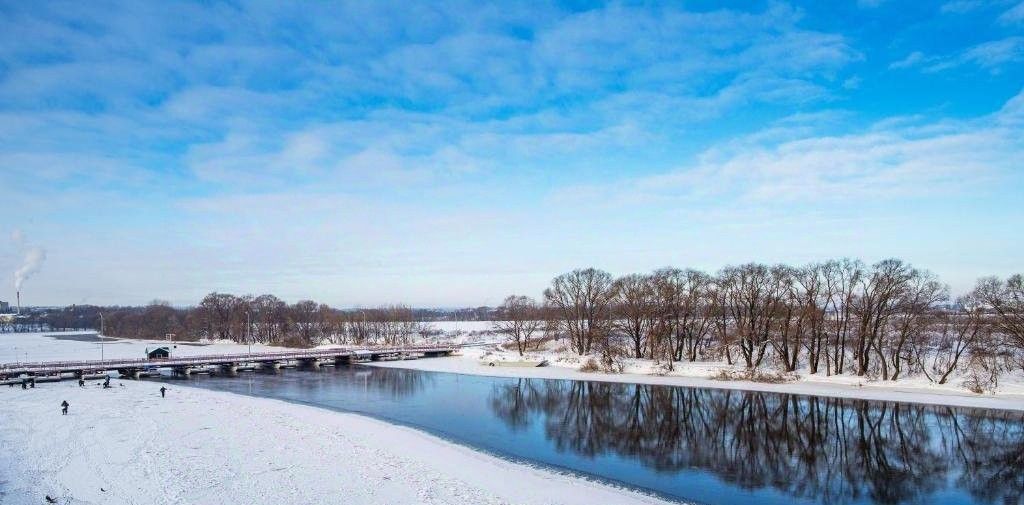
229, 363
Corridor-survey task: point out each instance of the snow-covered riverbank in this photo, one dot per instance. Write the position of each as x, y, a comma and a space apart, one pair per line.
914, 390
128, 445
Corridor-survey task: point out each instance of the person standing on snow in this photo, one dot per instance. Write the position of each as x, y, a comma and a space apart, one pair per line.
64, 408
163, 392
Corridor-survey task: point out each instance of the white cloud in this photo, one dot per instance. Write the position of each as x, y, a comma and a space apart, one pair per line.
992, 56
1014, 15
911, 60
869, 4
961, 6
890, 160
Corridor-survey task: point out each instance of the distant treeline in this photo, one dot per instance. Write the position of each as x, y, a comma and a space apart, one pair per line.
841, 316
263, 319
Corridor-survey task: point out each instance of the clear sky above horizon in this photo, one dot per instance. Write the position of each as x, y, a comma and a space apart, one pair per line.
451, 153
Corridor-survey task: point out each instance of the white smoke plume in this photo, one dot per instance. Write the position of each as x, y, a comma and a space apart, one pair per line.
34, 256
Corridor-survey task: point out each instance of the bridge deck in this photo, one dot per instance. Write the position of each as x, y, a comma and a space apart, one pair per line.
55, 367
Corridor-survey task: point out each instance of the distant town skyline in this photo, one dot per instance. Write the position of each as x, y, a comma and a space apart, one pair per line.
446, 155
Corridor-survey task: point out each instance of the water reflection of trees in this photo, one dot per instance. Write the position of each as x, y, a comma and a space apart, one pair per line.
834, 450
396, 382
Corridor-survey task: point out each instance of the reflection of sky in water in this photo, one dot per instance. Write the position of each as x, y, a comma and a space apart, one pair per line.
708, 446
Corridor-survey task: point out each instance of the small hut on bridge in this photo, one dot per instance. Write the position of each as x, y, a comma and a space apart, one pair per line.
158, 353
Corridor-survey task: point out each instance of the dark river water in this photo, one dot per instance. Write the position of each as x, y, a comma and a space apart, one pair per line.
696, 445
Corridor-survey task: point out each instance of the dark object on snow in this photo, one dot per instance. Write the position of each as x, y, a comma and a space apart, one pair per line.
64, 407
32, 382
163, 392
50, 500
81, 382
158, 353
24, 384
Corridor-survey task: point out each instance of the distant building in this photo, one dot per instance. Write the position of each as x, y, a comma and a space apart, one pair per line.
4, 307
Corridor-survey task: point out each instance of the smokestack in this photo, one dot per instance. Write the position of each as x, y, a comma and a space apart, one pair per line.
19, 303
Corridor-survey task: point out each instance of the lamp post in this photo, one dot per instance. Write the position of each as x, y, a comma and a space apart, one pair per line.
248, 332
102, 357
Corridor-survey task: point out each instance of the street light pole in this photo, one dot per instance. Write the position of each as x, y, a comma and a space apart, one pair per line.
102, 357
248, 332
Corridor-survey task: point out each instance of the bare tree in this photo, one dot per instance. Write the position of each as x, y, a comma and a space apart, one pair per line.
1006, 301
878, 300
520, 320
841, 280
751, 296
307, 318
216, 312
916, 314
719, 312
270, 319
790, 326
683, 308
958, 334
812, 299
580, 300
633, 309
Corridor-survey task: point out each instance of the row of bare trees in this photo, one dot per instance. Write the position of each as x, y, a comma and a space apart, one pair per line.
264, 319
834, 317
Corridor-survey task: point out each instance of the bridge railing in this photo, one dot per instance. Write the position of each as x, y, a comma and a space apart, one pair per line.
21, 367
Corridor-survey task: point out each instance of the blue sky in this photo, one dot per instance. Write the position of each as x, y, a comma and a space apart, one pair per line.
452, 153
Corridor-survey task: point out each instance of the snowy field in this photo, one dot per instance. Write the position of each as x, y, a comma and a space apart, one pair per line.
474, 360
76, 345
127, 445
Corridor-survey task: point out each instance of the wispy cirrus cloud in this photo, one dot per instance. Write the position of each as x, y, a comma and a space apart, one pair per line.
992, 56
961, 6
795, 162
1014, 15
